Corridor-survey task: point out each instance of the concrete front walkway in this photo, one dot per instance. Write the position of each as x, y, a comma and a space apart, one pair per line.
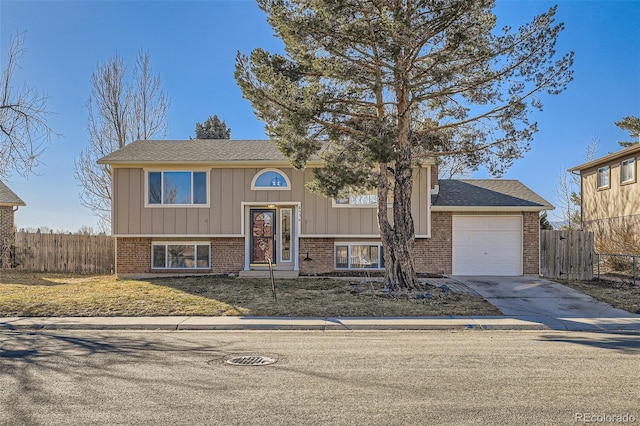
543, 301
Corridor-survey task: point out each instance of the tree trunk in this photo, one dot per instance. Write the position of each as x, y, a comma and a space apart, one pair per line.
398, 239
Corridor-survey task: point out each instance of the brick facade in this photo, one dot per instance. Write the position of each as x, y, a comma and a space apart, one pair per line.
433, 255
531, 243
320, 253
227, 255
134, 256
6, 223
316, 255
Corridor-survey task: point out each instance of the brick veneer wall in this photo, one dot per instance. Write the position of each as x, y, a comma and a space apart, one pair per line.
6, 223
227, 255
321, 253
134, 256
433, 255
531, 243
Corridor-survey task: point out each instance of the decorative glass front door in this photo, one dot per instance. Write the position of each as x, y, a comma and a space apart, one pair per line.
263, 236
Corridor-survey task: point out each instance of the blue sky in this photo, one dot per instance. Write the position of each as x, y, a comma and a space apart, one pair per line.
193, 44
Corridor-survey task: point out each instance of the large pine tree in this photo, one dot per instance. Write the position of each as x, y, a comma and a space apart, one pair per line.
632, 125
377, 86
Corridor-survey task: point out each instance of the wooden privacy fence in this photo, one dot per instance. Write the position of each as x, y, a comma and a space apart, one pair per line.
83, 254
566, 255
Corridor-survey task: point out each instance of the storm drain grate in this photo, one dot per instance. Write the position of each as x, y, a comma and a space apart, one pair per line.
251, 360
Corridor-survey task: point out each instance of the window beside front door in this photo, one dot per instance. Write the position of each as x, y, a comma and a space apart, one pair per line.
285, 234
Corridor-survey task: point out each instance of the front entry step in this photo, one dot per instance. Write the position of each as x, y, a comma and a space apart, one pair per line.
265, 274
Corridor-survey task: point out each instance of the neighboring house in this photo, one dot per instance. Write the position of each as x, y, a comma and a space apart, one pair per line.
228, 206
610, 191
9, 203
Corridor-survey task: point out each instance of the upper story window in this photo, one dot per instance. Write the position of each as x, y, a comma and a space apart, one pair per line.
271, 179
177, 188
358, 200
603, 177
369, 199
628, 171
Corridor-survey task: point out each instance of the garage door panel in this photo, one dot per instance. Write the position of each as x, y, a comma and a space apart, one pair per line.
487, 245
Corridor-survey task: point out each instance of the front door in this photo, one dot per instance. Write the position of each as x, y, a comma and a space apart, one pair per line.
263, 236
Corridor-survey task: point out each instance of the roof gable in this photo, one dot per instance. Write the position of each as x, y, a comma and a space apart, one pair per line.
487, 193
8, 197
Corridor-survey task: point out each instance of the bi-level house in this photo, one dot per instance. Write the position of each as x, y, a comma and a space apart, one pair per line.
610, 191
233, 206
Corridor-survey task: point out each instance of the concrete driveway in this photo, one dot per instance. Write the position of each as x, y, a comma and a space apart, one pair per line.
555, 305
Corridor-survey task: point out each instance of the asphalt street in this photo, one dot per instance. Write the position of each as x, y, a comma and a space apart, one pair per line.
80, 377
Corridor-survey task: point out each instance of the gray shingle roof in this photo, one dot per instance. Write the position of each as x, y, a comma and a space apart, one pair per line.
8, 197
496, 193
195, 151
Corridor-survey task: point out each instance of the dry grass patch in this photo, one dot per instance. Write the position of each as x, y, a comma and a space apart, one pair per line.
65, 295
78, 296
622, 295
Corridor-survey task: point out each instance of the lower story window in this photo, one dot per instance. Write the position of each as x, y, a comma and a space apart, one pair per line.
359, 256
180, 256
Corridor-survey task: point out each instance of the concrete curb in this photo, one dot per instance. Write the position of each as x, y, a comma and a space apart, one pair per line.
320, 324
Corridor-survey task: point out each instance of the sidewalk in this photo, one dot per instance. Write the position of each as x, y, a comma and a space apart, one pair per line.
630, 324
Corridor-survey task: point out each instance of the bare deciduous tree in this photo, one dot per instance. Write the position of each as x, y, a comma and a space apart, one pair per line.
24, 130
119, 113
568, 195
454, 167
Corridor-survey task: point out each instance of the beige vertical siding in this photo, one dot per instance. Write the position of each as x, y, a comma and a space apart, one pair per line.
619, 200
229, 188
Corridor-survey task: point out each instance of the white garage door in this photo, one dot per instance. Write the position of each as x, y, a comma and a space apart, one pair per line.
487, 245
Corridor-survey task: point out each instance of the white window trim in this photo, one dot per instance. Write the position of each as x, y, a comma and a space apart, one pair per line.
349, 244
270, 188
188, 206
633, 170
180, 243
608, 185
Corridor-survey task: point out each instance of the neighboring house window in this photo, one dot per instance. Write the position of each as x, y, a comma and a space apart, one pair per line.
603, 177
177, 188
270, 179
628, 171
180, 256
359, 256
